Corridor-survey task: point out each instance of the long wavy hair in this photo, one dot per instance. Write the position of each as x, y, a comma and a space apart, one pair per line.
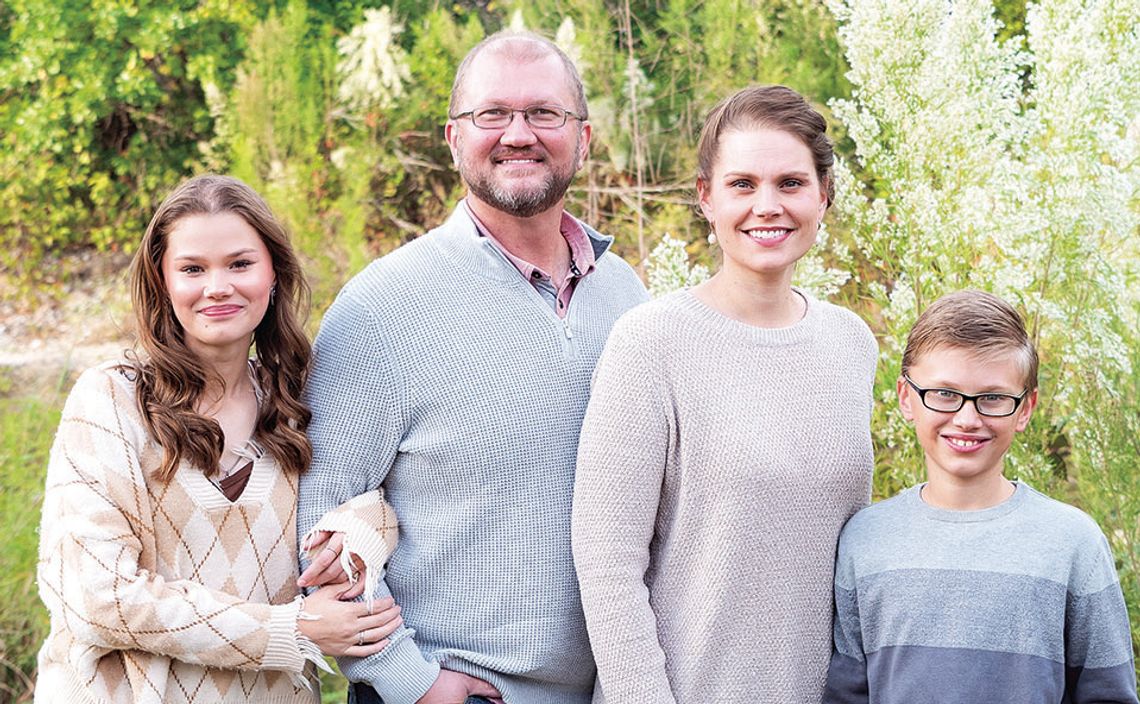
170, 379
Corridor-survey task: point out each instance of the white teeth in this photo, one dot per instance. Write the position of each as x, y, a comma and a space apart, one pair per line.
767, 234
962, 443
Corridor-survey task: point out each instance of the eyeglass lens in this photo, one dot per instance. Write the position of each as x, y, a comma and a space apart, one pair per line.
947, 401
538, 116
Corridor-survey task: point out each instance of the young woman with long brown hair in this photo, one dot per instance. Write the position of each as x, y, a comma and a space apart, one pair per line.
168, 555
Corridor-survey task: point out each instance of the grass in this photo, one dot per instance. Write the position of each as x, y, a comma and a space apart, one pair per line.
27, 426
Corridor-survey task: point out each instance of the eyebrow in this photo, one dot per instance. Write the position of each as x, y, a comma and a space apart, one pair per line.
983, 390
198, 257
790, 174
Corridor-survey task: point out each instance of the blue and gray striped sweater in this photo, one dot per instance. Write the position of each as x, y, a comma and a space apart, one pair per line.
1014, 604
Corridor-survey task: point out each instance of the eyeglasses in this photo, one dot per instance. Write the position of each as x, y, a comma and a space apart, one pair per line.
543, 117
951, 401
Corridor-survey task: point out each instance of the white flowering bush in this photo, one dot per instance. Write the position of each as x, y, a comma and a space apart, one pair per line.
1010, 167
373, 68
668, 267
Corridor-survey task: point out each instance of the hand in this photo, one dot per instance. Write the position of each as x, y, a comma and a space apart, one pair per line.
454, 688
346, 627
325, 567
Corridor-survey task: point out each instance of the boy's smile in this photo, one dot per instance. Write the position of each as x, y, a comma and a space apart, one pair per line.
963, 448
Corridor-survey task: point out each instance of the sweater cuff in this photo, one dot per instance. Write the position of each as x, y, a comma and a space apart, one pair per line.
283, 652
406, 675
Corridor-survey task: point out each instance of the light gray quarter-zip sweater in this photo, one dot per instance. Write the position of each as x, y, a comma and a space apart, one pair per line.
443, 376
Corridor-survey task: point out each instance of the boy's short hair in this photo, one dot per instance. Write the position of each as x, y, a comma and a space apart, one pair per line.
976, 321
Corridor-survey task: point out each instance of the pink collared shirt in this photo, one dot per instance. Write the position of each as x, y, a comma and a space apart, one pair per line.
557, 293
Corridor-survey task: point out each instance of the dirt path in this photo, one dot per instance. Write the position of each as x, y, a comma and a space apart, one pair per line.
86, 320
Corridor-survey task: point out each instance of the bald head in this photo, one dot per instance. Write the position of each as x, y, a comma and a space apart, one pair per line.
519, 47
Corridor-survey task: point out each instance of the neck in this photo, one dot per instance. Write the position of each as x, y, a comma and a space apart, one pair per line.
974, 494
537, 239
231, 366
753, 300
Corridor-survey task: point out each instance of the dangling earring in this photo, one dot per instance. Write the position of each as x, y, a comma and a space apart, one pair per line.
272, 294
712, 237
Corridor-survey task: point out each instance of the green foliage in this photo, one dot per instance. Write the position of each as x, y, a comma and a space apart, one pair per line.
27, 425
981, 150
100, 114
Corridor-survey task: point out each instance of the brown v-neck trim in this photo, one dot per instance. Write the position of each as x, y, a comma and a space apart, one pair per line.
233, 485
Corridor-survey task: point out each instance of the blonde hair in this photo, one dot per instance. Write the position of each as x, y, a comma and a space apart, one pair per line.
975, 321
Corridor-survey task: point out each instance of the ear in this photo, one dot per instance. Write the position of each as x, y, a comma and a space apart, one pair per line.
451, 134
703, 198
1025, 411
907, 398
822, 198
584, 143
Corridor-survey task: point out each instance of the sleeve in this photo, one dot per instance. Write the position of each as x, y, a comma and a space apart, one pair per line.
1098, 642
621, 465
847, 674
357, 398
95, 568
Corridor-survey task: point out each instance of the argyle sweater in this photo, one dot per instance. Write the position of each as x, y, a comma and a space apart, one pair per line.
1014, 604
717, 465
162, 593
442, 375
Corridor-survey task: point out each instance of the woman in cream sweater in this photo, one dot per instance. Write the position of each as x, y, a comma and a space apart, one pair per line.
168, 554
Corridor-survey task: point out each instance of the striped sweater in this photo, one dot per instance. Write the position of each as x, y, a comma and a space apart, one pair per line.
1014, 604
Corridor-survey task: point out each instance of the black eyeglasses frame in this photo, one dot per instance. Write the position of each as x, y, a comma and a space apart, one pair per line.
1017, 399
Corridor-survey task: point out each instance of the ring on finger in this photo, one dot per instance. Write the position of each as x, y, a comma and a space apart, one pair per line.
360, 638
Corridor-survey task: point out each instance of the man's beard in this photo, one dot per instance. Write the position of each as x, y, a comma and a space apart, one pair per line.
519, 203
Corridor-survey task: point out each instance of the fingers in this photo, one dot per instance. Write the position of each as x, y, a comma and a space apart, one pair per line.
320, 564
325, 567
363, 651
382, 624
481, 688
353, 591
315, 540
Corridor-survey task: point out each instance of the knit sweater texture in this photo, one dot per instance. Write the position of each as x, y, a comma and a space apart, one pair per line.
443, 376
162, 592
717, 465
1014, 604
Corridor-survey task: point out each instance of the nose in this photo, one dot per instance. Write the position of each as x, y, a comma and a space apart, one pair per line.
517, 133
218, 285
766, 202
968, 416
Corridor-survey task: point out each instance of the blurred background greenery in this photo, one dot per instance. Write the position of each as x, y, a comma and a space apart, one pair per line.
333, 110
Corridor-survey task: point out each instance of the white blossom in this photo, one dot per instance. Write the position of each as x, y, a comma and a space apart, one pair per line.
374, 67
668, 267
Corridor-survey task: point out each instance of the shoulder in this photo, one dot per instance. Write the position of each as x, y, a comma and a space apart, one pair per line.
654, 320
112, 382
871, 524
101, 406
839, 320
1068, 534
1065, 519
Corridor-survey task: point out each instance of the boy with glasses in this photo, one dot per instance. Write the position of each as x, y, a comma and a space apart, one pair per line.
971, 588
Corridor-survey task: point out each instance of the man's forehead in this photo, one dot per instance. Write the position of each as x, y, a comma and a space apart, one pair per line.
500, 71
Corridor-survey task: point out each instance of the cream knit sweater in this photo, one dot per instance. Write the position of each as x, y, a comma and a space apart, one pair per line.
717, 465
162, 592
